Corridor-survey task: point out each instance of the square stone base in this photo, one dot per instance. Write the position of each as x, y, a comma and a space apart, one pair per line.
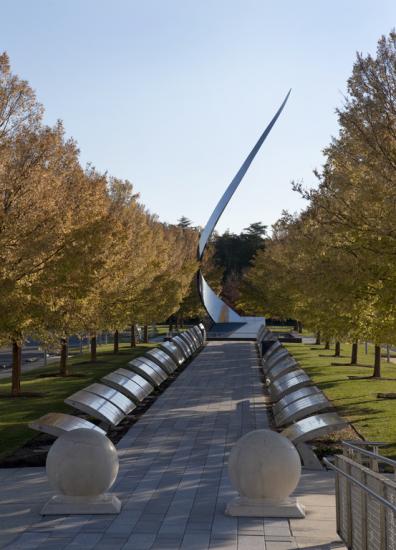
265, 508
60, 505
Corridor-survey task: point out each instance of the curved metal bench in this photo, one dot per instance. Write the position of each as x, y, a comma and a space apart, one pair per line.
200, 334
310, 428
313, 427
193, 342
173, 351
302, 408
95, 406
114, 396
125, 381
272, 349
186, 350
187, 342
148, 370
162, 359
197, 336
278, 355
288, 383
202, 328
57, 424
289, 364
294, 396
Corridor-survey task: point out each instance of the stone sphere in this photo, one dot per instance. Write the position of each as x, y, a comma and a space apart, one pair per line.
82, 462
264, 465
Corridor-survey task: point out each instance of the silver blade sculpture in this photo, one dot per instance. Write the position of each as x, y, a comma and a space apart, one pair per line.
216, 308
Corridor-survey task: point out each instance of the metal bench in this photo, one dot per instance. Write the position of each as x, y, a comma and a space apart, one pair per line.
278, 355
294, 396
188, 342
95, 406
162, 359
115, 397
272, 349
310, 428
192, 339
125, 381
186, 349
199, 334
57, 424
288, 365
288, 383
197, 338
149, 370
263, 334
202, 328
173, 351
302, 408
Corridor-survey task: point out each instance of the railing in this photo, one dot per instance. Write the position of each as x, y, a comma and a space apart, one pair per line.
365, 498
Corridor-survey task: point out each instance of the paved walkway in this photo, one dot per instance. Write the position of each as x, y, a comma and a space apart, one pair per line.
173, 478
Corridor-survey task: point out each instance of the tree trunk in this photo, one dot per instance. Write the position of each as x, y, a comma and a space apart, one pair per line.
93, 348
299, 327
327, 344
170, 330
377, 362
337, 352
145, 337
317, 343
354, 356
133, 336
63, 358
16, 368
116, 342
387, 353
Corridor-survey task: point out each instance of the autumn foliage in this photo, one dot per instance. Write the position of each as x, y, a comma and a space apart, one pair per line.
78, 252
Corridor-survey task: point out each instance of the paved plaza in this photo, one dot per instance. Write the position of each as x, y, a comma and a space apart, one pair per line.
173, 480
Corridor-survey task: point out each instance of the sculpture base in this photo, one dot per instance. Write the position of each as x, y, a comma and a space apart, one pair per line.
65, 505
247, 328
265, 508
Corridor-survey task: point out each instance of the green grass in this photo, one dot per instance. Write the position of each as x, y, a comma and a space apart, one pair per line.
15, 413
355, 400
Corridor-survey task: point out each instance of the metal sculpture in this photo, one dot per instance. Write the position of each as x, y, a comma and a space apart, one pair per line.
216, 308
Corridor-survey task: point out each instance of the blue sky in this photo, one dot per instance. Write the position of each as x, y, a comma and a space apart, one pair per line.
172, 94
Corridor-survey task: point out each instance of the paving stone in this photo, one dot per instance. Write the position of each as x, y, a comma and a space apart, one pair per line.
173, 479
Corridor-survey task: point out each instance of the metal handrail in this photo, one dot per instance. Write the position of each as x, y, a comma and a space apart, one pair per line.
370, 454
362, 486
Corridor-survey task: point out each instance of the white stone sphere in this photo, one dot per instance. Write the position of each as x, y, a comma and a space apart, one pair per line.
82, 462
264, 465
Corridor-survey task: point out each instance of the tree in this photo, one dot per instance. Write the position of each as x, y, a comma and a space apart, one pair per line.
184, 222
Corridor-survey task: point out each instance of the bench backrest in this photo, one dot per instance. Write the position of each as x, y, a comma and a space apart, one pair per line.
57, 424
313, 427
294, 396
95, 406
114, 396
148, 370
127, 385
288, 383
302, 408
162, 359
173, 351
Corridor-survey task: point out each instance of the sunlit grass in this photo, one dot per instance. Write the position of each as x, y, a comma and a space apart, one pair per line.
355, 400
16, 413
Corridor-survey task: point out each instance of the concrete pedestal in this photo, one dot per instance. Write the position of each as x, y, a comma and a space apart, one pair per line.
266, 508
64, 505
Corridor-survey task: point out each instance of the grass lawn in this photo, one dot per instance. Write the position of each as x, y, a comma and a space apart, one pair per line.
355, 400
15, 413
